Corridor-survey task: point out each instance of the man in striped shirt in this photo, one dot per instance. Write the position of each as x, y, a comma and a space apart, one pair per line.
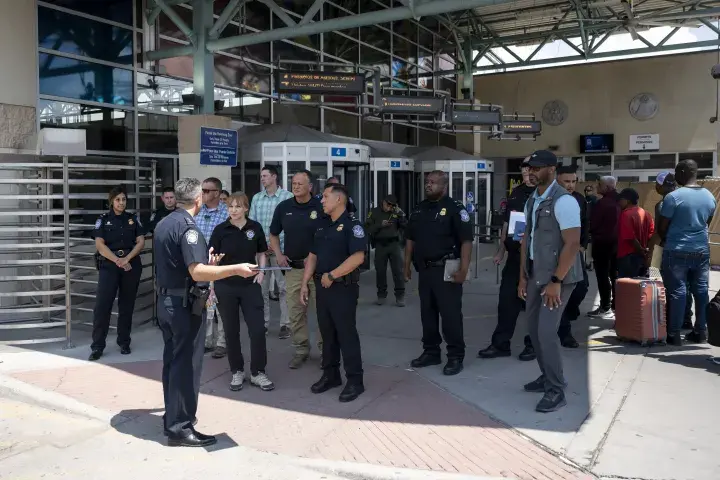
212, 213
262, 209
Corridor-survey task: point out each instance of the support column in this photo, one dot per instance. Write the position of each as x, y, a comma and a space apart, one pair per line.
189, 148
203, 60
468, 142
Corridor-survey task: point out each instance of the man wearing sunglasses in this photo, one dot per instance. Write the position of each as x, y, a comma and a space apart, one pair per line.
212, 213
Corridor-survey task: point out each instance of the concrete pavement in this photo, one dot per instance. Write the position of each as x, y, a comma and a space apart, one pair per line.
645, 413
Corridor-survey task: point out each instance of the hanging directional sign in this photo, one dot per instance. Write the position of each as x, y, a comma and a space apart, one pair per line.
320, 82
338, 152
412, 105
476, 117
218, 147
522, 126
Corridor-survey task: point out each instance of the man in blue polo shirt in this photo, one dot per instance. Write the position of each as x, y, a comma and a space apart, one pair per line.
683, 226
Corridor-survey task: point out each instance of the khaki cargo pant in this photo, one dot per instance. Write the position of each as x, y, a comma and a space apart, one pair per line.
298, 313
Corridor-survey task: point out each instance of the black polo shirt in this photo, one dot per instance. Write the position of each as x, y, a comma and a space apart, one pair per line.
438, 229
155, 218
120, 232
299, 222
240, 245
516, 203
178, 244
336, 240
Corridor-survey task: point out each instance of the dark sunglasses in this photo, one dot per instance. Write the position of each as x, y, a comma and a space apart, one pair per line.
205, 190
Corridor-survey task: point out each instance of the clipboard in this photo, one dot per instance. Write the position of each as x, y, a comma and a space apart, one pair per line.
452, 266
270, 269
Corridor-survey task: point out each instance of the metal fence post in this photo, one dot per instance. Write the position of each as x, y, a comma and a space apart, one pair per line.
66, 235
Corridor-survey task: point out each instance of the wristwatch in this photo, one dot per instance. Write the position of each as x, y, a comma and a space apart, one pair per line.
330, 276
555, 279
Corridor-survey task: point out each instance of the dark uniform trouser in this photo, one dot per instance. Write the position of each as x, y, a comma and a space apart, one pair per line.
230, 300
184, 337
113, 280
509, 304
605, 262
543, 324
385, 252
336, 314
439, 298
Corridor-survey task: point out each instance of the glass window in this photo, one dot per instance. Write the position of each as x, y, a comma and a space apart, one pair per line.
237, 72
168, 27
320, 176
704, 174
598, 162
595, 176
157, 133
66, 77
107, 129
456, 186
162, 94
80, 36
645, 161
120, 11
382, 185
703, 159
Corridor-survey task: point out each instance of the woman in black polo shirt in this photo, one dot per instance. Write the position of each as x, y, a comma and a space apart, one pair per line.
242, 240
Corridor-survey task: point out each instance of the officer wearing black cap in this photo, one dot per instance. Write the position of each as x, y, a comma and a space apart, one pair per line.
183, 273
509, 305
384, 225
439, 230
119, 239
337, 252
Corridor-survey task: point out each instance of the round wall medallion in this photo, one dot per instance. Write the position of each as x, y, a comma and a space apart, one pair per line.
644, 106
555, 112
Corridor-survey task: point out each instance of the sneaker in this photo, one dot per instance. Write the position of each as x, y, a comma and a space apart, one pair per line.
219, 352
602, 314
536, 386
262, 382
697, 337
551, 401
380, 301
237, 381
400, 301
284, 332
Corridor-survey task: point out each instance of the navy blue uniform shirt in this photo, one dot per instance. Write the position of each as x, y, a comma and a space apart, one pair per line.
299, 222
178, 244
438, 229
240, 245
336, 241
120, 232
516, 203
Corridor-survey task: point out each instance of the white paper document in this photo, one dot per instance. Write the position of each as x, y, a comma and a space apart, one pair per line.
452, 266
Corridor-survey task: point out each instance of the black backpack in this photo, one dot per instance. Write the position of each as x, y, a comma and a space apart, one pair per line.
713, 320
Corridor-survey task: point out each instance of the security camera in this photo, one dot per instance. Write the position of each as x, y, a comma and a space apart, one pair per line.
715, 72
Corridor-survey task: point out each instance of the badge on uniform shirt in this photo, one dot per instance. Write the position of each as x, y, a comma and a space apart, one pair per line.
313, 215
464, 216
358, 231
340, 227
130, 222
250, 234
191, 237
98, 224
443, 212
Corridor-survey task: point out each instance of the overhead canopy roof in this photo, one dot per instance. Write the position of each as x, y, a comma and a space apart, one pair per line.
422, 154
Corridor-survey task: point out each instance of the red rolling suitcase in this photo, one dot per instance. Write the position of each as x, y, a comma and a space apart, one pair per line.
640, 310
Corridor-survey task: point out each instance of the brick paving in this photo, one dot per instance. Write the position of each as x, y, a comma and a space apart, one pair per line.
401, 421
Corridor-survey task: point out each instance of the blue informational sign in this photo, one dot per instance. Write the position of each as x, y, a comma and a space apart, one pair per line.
470, 207
394, 164
470, 197
338, 152
481, 165
218, 147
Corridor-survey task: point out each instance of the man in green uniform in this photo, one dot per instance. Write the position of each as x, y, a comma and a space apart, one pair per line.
383, 225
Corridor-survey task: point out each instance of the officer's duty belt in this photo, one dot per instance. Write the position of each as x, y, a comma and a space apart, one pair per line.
386, 241
120, 253
435, 263
296, 263
349, 279
172, 292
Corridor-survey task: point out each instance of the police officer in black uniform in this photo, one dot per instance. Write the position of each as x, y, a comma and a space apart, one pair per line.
439, 230
168, 206
334, 261
182, 259
351, 209
509, 304
119, 240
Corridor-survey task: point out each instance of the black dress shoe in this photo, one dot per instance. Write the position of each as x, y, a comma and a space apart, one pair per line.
326, 382
125, 350
536, 386
493, 352
426, 360
351, 392
696, 337
528, 354
674, 340
193, 439
95, 355
569, 342
166, 432
453, 367
551, 401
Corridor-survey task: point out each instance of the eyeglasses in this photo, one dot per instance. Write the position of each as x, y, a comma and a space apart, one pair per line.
206, 191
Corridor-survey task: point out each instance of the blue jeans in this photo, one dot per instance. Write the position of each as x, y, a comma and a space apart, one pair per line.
678, 270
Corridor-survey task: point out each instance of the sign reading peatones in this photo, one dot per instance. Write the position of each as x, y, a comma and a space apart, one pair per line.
522, 126
412, 105
320, 82
649, 142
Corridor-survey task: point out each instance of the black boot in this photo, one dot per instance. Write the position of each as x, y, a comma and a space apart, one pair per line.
353, 389
453, 366
528, 354
493, 352
426, 360
330, 379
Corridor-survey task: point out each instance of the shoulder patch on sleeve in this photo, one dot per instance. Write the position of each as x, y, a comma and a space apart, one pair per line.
98, 223
464, 216
191, 237
358, 231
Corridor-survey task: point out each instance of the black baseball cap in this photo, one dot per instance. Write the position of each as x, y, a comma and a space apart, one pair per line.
630, 195
390, 199
542, 158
